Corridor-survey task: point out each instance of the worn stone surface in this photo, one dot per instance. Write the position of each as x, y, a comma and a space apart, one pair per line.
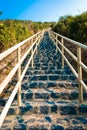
83, 109
42, 95
51, 84
54, 77
74, 95
57, 127
12, 111
29, 95
25, 109
47, 118
2, 102
68, 110
20, 127
5, 127
33, 85
44, 110
54, 108
82, 119
42, 127
55, 95
75, 128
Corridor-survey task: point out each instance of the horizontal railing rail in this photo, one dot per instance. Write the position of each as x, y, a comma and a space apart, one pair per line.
35, 40
80, 65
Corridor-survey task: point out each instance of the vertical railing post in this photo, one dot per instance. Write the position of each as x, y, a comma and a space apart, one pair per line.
32, 54
49, 33
36, 47
62, 41
56, 42
39, 38
80, 74
36, 43
42, 33
19, 77
53, 37
32, 59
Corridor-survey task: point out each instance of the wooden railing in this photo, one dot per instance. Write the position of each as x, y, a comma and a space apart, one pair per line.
31, 49
59, 42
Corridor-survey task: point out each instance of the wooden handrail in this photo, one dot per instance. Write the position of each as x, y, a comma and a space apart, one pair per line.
71, 41
12, 49
54, 36
17, 68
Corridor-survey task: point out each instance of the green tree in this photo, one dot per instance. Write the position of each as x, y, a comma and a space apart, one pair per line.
15, 31
74, 27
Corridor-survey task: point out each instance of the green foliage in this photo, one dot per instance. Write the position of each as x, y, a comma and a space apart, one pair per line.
15, 31
73, 27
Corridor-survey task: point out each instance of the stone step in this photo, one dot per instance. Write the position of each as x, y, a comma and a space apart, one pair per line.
48, 84
43, 62
54, 94
45, 122
47, 60
48, 87
45, 68
60, 107
50, 67
58, 71
50, 77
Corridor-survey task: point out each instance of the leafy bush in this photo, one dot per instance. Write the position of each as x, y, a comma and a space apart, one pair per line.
74, 27
15, 31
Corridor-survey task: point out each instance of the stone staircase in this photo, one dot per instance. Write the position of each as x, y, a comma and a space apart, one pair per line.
49, 96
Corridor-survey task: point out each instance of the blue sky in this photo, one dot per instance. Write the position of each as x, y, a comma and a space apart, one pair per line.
41, 10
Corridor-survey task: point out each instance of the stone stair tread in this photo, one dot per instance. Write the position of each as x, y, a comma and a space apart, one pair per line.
64, 107
51, 103
51, 89
45, 68
26, 84
48, 75
38, 90
38, 103
57, 71
47, 121
53, 93
59, 82
51, 77
48, 102
66, 90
